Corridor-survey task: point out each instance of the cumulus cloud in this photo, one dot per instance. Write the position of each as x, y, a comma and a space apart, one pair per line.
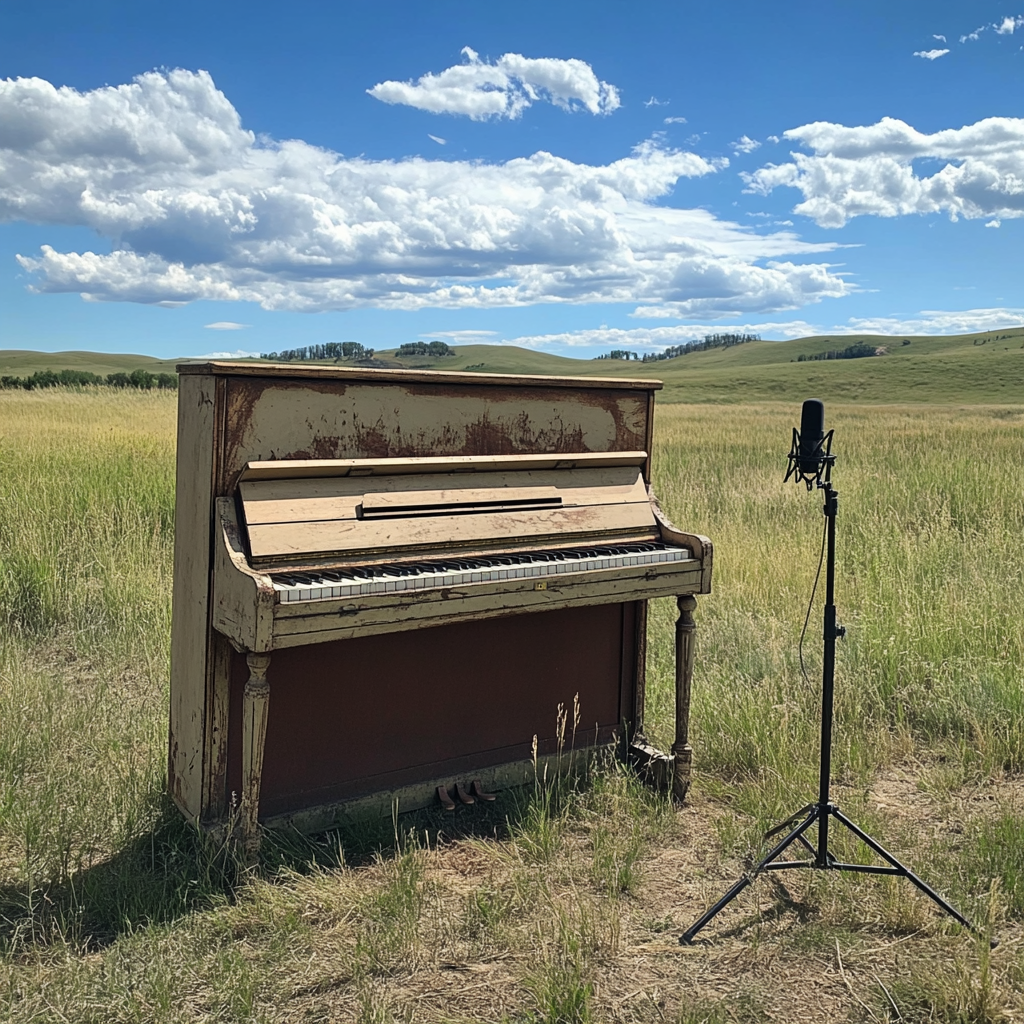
480, 90
851, 172
225, 325
195, 207
973, 36
930, 54
675, 120
1007, 26
745, 145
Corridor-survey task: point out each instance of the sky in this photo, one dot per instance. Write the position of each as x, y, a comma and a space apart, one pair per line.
197, 178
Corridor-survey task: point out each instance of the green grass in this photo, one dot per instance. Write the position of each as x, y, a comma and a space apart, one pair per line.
566, 905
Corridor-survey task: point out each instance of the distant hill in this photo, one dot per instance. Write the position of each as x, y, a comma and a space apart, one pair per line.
968, 368
23, 363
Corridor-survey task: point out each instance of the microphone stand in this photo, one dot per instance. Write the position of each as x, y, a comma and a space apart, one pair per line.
824, 809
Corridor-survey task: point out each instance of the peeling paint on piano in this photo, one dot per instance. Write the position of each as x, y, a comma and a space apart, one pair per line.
283, 419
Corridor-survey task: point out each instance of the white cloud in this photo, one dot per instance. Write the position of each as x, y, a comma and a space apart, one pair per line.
437, 139
852, 172
462, 337
1007, 26
656, 339
675, 120
940, 39
225, 325
479, 90
930, 54
745, 145
655, 102
973, 36
196, 208
936, 321
237, 354
993, 223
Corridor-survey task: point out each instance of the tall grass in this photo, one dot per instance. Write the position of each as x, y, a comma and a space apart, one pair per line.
112, 908
930, 539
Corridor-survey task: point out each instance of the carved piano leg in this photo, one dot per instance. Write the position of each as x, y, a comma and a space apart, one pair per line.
681, 749
255, 701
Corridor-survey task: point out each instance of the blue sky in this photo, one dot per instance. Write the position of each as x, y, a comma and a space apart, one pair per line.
194, 178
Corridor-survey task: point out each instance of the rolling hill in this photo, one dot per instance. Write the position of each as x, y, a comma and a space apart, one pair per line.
983, 368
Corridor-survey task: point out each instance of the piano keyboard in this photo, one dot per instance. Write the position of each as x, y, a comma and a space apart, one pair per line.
453, 572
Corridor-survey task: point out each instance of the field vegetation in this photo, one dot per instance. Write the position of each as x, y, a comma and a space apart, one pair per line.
566, 903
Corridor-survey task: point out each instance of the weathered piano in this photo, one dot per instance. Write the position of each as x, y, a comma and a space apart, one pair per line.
387, 581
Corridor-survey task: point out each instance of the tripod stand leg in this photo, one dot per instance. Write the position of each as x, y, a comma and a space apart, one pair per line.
902, 869
687, 937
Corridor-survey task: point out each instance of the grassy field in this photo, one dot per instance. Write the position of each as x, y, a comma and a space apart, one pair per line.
567, 906
967, 368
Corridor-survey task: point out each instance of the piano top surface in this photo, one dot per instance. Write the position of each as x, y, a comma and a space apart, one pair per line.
315, 371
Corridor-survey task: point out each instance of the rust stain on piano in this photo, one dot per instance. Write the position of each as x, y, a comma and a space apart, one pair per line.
270, 419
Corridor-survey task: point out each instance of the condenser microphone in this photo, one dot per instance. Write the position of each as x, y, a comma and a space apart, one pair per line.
812, 433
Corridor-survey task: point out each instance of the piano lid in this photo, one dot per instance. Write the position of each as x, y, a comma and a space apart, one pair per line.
363, 508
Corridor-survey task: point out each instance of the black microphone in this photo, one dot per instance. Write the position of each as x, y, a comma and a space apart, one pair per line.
812, 433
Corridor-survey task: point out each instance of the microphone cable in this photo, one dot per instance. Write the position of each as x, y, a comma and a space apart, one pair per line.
810, 604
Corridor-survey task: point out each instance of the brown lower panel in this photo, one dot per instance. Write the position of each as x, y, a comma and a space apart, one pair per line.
353, 717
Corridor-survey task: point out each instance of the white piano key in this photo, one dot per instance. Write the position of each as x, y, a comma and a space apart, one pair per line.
389, 580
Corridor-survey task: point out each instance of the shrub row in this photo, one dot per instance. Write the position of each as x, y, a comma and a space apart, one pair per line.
141, 379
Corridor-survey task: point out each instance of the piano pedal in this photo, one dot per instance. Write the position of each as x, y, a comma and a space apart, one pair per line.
477, 789
446, 801
462, 795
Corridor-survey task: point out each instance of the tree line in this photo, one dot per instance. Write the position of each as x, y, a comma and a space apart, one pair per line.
856, 351
709, 341
425, 348
336, 350
620, 353
142, 380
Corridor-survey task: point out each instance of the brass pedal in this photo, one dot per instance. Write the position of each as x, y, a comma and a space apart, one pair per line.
446, 801
462, 795
477, 789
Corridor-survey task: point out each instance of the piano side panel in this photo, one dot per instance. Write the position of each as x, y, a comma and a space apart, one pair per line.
273, 418
355, 717
188, 753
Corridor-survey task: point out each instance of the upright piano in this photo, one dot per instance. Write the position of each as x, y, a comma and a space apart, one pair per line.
387, 583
